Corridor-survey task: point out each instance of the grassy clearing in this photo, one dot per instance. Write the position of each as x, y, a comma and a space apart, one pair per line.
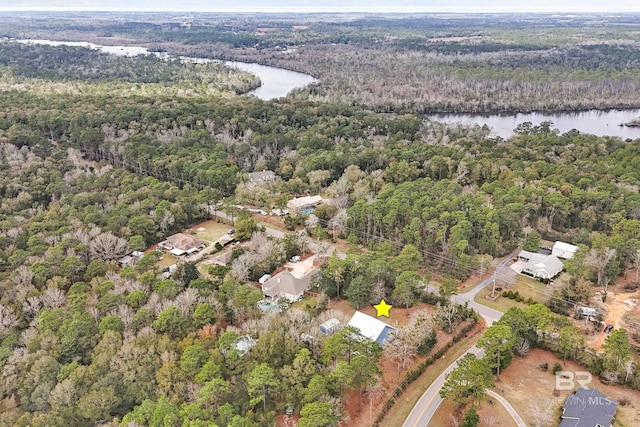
212, 230
527, 287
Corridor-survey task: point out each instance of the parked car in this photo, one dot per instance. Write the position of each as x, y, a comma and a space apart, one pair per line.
232, 231
608, 328
295, 258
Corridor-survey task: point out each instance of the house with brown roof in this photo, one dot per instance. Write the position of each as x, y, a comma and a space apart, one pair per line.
182, 244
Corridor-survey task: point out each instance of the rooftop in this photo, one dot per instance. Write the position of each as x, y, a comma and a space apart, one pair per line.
588, 408
370, 327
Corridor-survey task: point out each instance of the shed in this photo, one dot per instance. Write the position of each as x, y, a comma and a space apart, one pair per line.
264, 279
563, 250
587, 311
372, 328
330, 326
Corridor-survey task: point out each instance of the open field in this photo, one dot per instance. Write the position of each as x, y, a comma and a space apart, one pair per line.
212, 230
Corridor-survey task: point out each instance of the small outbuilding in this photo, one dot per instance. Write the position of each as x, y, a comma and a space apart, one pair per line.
330, 327
372, 328
563, 250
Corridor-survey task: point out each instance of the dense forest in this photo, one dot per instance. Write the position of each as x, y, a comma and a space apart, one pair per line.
91, 171
428, 63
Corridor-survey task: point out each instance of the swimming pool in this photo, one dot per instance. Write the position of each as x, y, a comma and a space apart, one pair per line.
265, 305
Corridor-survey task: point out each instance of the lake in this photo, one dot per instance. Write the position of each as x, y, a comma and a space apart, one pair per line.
278, 82
597, 122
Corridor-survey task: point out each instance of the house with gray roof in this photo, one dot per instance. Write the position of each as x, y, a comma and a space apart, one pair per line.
588, 408
286, 285
539, 266
262, 177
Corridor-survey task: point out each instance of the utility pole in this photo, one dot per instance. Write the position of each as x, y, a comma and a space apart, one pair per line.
493, 289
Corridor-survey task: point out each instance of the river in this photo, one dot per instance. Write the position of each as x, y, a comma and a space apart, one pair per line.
597, 122
278, 82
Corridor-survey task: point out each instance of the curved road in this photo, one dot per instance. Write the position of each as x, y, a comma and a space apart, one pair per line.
430, 401
510, 409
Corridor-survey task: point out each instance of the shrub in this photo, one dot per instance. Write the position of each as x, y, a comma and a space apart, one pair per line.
427, 344
557, 367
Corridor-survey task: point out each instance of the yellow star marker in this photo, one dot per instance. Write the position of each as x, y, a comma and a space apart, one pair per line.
382, 309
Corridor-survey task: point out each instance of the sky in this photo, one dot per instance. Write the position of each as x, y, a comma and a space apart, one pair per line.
329, 5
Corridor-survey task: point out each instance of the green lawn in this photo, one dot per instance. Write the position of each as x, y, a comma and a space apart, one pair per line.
212, 230
526, 286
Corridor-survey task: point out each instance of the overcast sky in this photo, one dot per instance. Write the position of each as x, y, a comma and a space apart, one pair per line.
329, 5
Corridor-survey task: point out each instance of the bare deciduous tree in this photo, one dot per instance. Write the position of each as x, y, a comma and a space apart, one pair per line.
106, 246
447, 316
22, 276
523, 347
407, 338
8, 319
31, 307
241, 267
186, 300
53, 298
599, 259
541, 411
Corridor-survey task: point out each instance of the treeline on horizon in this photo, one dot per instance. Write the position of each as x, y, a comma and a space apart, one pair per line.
91, 170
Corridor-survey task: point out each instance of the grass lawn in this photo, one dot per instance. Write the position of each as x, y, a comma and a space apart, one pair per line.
302, 304
212, 230
408, 399
167, 260
527, 287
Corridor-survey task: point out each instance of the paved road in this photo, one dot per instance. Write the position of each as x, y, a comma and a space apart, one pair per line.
510, 409
333, 250
430, 401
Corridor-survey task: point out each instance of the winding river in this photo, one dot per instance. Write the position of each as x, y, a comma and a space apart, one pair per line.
278, 82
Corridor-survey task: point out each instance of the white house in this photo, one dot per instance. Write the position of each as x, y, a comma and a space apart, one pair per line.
539, 266
371, 327
301, 203
563, 250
